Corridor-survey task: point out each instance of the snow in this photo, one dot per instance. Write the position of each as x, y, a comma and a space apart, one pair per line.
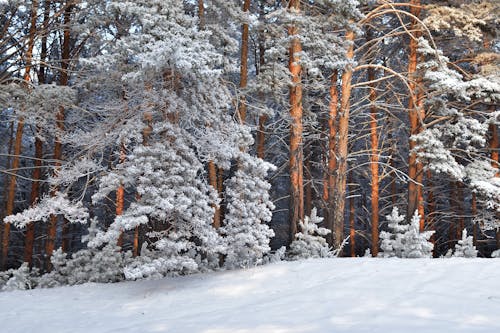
319, 295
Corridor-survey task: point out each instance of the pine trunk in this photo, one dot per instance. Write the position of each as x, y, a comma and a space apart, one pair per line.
352, 217
374, 159
60, 117
339, 190
120, 196
414, 170
11, 192
296, 153
331, 169
242, 110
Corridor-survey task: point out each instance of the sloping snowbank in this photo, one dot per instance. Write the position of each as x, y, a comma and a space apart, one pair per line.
324, 295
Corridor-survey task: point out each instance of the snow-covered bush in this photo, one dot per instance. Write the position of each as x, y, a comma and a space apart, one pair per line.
310, 242
19, 279
90, 264
405, 240
495, 254
465, 247
249, 207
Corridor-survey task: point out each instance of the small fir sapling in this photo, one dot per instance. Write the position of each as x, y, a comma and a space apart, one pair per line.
405, 240
465, 247
310, 242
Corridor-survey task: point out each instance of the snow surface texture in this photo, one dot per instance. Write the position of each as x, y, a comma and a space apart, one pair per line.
319, 295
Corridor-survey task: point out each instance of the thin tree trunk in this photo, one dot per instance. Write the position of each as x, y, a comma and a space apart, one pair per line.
37, 171
11, 193
460, 210
60, 117
342, 147
242, 110
374, 159
332, 154
474, 213
212, 180
120, 196
414, 171
308, 189
261, 137
431, 205
352, 217
296, 153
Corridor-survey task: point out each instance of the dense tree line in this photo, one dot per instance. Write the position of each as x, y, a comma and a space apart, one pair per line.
176, 136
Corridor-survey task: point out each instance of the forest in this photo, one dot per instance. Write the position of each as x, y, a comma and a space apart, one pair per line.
152, 138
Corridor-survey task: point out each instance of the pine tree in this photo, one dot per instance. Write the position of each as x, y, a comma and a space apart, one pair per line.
405, 240
464, 247
249, 208
310, 242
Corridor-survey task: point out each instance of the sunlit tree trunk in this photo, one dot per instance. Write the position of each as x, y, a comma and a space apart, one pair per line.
374, 160
331, 169
296, 153
342, 147
415, 171
11, 192
37, 171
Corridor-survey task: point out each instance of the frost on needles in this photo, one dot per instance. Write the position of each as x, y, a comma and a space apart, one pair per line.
405, 240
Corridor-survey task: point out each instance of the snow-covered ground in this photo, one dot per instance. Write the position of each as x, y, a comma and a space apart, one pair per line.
324, 295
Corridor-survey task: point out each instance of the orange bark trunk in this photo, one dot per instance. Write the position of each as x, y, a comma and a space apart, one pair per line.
296, 153
35, 192
120, 196
414, 115
60, 117
212, 180
242, 110
331, 169
261, 137
342, 151
374, 157
11, 192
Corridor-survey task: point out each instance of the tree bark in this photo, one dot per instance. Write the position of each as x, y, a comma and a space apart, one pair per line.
342, 147
352, 217
242, 110
11, 192
60, 117
296, 152
374, 159
415, 171
212, 180
332, 154
120, 196
37, 171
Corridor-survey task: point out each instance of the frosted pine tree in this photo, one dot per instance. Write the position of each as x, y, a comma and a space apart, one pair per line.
391, 245
465, 247
405, 240
310, 242
416, 243
249, 208
173, 199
